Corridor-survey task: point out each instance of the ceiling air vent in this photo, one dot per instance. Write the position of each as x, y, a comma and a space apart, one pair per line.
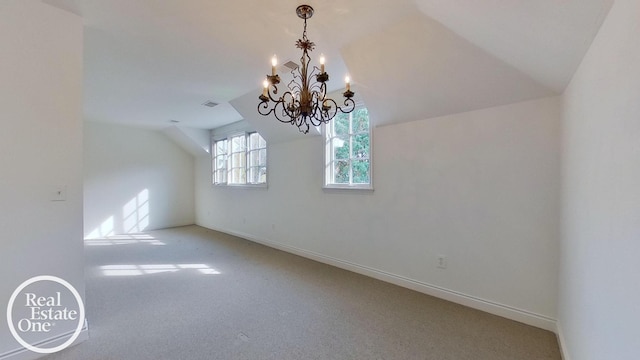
290, 65
210, 104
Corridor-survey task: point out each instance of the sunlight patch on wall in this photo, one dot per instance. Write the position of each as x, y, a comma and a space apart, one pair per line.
136, 270
127, 239
105, 229
135, 213
135, 219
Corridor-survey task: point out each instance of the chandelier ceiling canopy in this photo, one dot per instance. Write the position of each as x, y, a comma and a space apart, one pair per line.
305, 103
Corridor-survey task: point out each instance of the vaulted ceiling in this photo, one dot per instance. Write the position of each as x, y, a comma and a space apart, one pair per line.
148, 62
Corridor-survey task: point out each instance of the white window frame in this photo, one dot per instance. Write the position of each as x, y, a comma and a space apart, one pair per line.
214, 163
228, 156
231, 166
328, 135
249, 151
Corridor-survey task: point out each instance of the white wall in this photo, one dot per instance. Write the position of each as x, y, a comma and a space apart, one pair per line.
40, 149
135, 180
599, 302
481, 188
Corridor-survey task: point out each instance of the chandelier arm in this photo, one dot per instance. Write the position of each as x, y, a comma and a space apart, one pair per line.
278, 106
316, 86
302, 124
264, 110
332, 109
317, 97
296, 74
275, 92
349, 106
288, 104
316, 122
313, 117
283, 113
323, 90
294, 87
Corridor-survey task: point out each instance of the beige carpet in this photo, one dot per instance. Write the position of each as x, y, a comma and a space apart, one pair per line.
193, 293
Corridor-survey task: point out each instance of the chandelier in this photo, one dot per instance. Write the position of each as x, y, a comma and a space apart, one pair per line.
306, 102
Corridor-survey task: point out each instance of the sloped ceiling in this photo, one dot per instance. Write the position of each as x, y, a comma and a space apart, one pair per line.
148, 62
419, 69
546, 39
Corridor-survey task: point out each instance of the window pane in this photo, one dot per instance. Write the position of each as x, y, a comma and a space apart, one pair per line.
252, 175
263, 157
261, 142
253, 141
257, 175
220, 176
238, 160
360, 120
221, 147
341, 124
341, 172
340, 148
361, 146
238, 143
220, 163
262, 175
361, 172
254, 158
238, 176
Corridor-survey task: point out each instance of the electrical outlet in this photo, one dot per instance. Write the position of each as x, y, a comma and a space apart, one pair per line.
442, 262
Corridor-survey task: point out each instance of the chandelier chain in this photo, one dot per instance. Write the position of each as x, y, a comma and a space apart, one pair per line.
304, 33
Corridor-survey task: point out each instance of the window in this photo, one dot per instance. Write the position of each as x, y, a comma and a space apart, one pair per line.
348, 150
240, 159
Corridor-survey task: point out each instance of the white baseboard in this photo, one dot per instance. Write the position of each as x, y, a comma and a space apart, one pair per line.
506, 311
24, 354
561, 342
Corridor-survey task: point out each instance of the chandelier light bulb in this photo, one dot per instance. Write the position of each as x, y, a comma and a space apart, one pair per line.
322, 63
265, 87
274, 62
347, 81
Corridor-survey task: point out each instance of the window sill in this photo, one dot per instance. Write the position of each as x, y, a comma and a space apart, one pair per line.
356, 188
241, 186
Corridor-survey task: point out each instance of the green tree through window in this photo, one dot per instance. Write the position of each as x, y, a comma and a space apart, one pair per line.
348, 150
